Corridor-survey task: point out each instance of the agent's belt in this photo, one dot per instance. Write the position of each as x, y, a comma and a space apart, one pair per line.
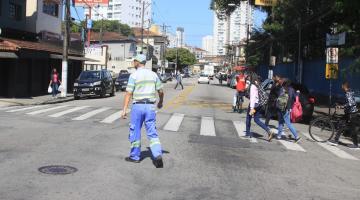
144, 102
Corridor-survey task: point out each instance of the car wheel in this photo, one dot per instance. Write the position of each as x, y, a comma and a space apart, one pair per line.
76, 97
198, 82
103, 93
209, 82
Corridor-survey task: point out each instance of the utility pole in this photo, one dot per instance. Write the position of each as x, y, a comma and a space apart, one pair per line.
142, 26
89, 29
163, 51
65, 49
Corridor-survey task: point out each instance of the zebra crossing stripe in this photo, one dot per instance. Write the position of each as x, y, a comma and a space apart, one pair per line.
292, 146
174, 123
24, 109
46, 110
334, 150
91, 114
68, 111
112, 118
207, 126
240, 128
9, 107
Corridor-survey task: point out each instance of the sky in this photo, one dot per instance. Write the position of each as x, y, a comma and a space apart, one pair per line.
193, 15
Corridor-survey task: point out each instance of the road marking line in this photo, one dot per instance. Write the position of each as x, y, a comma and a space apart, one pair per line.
174, 122
46, 110
110, 119
240, 128
334, 150
68, 111
291, 146
241, 131
9, 107
91, 114
207, 126
24, 109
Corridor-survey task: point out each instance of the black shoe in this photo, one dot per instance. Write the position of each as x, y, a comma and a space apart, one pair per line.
353, 146
333, 142
128, 159
158, 162
297, 140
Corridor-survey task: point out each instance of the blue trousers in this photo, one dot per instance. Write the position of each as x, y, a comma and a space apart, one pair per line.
143, 114
55, 87
257, 121
285, 118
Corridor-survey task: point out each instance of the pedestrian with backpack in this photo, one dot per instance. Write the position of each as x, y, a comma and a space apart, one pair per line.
284, 104
274, 94
255, 106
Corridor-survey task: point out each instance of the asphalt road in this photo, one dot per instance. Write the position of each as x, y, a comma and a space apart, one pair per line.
205, 156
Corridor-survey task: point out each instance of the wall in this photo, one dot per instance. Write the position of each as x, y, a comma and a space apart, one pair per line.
314, 76
47, 22
119, 53
6, 22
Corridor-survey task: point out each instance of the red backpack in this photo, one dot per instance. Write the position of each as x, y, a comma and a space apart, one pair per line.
297, 111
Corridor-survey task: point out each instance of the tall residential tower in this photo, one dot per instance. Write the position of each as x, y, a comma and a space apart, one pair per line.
125, 11
241, 21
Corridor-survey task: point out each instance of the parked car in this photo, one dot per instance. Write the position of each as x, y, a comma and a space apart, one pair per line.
122, 81
204, 79
307, 101
166, 77
94, 83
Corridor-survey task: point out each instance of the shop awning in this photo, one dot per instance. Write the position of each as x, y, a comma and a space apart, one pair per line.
8, 55
57, 56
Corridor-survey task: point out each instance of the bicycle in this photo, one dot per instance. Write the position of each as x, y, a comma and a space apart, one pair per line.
322, 129
239, 102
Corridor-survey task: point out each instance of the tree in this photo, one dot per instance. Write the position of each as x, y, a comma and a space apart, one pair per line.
185, 57
106, 26
112, 26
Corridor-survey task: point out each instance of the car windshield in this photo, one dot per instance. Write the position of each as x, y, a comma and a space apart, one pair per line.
123, 76
203, 75
90, 75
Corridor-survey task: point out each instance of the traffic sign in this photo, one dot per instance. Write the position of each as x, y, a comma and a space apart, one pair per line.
266, 2
332, 55
335, 40
332, 71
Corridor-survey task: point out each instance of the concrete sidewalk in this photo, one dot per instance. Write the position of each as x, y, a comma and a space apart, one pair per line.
39, 100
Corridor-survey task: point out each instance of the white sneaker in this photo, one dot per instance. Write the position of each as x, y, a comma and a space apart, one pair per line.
252, 140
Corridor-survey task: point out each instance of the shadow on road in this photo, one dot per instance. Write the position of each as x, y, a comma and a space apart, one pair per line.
147, 154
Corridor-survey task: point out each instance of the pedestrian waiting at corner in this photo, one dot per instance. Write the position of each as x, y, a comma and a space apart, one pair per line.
54, 83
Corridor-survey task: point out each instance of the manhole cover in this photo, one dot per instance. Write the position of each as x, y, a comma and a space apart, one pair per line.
58, 170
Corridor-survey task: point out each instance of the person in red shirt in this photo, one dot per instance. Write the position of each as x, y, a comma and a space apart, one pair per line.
54, 82
240, 92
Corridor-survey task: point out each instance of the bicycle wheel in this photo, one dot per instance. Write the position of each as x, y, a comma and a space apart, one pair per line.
321, 129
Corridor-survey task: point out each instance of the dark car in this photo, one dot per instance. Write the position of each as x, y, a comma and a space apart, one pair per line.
166, 77
94, 83
122, 81
307, 101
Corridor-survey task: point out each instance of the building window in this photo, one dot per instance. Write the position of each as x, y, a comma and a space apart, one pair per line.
51, 8
118, 7
109, 15
110, 7
15, 11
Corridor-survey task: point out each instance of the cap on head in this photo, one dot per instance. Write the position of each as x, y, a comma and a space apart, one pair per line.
140, 58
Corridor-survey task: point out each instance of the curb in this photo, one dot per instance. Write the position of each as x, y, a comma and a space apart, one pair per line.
14, 103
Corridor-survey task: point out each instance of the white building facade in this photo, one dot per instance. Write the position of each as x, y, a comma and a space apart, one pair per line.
208, 44
241, 21
125, 11
180, 37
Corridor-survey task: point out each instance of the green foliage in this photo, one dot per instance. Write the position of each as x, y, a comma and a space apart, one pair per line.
112, 26
106, 25
185, 57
